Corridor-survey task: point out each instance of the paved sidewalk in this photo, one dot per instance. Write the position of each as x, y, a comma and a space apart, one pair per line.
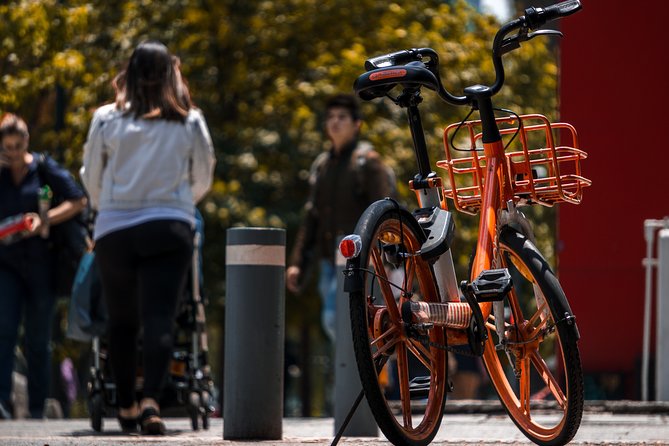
649, 425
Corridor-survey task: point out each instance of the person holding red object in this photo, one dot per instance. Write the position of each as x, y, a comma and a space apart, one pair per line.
25, 266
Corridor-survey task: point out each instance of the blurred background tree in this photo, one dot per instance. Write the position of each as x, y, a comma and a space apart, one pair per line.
261, 72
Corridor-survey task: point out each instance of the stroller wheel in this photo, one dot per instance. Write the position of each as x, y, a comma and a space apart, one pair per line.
97, 409
205, 409
194, 410
205, 421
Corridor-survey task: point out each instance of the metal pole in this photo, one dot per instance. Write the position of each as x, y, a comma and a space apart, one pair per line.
650, 227
662, 317
254, 334
347, 380
649, 235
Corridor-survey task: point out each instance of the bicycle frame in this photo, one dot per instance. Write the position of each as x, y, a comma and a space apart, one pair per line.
497, 190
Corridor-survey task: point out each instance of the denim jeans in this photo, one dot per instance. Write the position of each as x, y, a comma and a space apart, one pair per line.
327, 287
26, 295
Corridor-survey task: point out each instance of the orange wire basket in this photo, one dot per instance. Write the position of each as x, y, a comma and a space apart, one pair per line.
546, 174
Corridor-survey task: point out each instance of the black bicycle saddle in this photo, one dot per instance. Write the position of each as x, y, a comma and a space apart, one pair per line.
377, 83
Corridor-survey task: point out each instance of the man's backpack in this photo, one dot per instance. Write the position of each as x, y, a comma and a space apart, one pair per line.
68, 241
359, 159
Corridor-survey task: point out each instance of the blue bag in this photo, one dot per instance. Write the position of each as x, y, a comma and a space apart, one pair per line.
87, 315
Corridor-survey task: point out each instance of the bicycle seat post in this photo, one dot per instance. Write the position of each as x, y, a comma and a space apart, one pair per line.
411, 99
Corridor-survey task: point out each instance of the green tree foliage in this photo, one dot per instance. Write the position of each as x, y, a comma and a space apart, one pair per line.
261, 71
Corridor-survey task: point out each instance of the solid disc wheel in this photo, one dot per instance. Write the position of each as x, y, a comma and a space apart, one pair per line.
403, 374
537, 374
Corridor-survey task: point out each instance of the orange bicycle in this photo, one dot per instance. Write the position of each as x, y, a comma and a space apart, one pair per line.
406, 305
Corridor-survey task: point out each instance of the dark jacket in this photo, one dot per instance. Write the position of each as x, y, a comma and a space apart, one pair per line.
342, 186
29, 253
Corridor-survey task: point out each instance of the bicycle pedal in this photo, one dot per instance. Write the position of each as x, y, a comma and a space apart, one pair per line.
492, 285
419, 387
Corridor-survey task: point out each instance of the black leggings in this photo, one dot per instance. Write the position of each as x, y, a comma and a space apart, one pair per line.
143, 270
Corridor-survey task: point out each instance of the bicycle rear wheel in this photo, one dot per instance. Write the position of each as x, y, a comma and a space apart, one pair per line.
394, 273
537, 374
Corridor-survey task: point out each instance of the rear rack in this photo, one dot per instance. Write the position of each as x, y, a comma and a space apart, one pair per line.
545, 175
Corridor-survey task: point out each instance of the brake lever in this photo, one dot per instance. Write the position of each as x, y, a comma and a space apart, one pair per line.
512, 43
509, 44
543, 32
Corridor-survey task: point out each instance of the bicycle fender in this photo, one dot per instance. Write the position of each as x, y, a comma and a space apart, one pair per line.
559, 305
354, 275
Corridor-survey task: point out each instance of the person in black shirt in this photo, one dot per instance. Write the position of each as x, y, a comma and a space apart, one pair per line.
25, 267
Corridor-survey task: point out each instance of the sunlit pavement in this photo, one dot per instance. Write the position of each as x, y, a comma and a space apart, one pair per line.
603, 424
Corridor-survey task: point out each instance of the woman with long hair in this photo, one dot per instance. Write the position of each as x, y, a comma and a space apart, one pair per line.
148, 160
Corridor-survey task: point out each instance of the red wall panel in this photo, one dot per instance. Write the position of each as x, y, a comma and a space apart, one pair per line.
614, 88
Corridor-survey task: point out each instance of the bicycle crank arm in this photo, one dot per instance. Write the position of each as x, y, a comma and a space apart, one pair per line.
477, 333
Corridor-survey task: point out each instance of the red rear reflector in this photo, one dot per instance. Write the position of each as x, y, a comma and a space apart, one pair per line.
350, 246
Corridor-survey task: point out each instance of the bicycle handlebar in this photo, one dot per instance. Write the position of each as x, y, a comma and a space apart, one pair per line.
537, 17
532, 19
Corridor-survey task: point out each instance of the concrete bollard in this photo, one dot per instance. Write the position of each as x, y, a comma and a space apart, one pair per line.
254, 334
347, 380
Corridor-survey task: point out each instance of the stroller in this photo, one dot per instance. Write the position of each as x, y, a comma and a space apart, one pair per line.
189, 384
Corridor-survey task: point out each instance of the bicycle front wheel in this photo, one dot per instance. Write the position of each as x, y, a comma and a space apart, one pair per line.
536, 367
403, 374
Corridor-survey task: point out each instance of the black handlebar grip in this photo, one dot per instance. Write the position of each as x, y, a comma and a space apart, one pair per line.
536, 17
562, 9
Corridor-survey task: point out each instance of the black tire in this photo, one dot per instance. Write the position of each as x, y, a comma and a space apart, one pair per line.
538, 376
379, 335
205, 421
194, 410
97, 411
205, 400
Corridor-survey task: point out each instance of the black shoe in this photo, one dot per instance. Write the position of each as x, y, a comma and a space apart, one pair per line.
128, 425
151, 422
5, 411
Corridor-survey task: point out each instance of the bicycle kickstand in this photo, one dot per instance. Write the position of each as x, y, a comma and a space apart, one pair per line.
347, 420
